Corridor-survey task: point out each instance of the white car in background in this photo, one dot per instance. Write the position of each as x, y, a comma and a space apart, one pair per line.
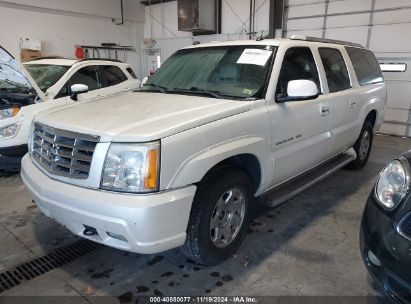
27, 90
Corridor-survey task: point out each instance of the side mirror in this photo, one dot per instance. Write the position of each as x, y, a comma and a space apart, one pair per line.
77, 89
144, 81
299, 90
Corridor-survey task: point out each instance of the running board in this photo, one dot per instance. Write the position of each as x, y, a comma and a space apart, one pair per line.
301, 183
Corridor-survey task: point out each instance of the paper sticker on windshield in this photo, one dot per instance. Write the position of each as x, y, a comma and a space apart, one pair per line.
254, 56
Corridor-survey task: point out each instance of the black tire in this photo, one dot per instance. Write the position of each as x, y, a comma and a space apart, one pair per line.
199, 246
362, 155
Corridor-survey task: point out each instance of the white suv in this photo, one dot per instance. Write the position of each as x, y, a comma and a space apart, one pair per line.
179, 162
51, 80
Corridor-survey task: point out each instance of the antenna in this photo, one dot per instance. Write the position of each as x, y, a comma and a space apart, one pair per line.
261, 37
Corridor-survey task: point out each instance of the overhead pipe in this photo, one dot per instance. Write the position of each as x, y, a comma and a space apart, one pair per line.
122, 14
251, 29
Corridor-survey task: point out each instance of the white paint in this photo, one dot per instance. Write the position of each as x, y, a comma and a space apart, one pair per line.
62, 24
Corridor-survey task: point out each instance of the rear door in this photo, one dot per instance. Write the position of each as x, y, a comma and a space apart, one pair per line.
114, 80
300, 129
342, 99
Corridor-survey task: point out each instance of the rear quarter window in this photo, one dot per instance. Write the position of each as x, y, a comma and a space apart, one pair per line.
131, 72
366, 66
112, 75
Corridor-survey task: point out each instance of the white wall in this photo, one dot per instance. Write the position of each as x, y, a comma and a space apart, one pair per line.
163, 27
62, 24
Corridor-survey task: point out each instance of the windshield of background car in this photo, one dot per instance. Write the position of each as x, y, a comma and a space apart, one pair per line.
12, 79
46, 75
237, 72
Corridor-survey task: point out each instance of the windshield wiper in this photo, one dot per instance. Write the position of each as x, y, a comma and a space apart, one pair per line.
158, 87
215, 94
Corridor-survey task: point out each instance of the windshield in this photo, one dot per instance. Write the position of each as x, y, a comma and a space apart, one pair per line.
46, 75
237, 72
12, 79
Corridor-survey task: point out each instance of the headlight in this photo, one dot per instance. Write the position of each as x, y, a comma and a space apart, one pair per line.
7, 113
9, 131
392, 184
132, 167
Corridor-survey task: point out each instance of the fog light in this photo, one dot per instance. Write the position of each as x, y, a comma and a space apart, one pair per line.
117, 236
373, 259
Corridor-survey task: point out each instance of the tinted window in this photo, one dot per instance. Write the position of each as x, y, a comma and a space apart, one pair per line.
131, 72
89, 76
365, 65
229, 71
335, 70
298, 64
112, 75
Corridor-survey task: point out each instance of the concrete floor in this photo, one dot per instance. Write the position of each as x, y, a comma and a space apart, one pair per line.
307, 246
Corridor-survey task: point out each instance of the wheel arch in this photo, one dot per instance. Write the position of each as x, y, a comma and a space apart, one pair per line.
248, 154
246, 162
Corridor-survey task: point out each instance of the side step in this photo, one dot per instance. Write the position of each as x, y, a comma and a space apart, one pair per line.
301, 183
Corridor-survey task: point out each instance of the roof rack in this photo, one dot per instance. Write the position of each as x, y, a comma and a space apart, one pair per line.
324, 40
101, 59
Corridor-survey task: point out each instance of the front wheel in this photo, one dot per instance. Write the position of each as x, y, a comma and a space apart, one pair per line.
219, 217
362, 147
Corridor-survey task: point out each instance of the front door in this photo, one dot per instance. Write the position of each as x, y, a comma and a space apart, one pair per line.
300, 130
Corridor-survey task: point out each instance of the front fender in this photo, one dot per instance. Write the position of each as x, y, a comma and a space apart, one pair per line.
195, 168
189, 155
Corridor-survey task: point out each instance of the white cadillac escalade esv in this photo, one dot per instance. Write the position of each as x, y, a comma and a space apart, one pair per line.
179, 161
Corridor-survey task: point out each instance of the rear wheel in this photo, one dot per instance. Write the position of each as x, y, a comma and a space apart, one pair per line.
362, 147
219, 217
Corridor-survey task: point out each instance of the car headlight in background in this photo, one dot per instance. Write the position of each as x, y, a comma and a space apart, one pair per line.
132, 167
9, 131
392, 184
7, 113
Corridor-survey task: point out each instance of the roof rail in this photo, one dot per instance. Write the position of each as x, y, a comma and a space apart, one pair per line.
48, 57
324, 40
101, 59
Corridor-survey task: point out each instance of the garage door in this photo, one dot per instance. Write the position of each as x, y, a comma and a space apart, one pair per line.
397, 76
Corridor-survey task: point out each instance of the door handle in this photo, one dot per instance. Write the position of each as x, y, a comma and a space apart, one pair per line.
324, 110
352, 103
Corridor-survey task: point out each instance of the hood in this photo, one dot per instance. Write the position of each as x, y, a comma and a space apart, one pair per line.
141, 116
16, 81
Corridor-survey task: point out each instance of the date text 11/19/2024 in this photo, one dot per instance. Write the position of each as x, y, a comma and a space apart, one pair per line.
203, 299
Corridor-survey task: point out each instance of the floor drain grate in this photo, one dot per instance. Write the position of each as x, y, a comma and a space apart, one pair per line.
43, 264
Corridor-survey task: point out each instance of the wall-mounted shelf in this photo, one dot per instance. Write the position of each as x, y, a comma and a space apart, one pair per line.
106, 51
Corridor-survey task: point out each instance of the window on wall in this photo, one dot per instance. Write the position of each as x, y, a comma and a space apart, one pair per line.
393, 67
112, 75
298, 64
366, 66
335, 70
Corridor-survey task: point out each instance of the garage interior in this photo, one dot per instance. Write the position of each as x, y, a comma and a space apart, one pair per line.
308, 246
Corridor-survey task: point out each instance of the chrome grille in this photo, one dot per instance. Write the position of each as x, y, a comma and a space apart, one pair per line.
63, 153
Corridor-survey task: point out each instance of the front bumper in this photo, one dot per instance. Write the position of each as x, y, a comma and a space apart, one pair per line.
379, 236
148, 223
14, 151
